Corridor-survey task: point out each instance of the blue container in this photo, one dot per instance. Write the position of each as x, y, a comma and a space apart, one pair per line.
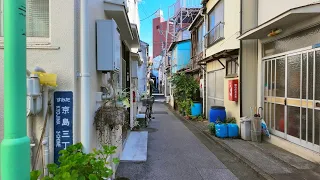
196, 109
221, 130
233, 130
217, 112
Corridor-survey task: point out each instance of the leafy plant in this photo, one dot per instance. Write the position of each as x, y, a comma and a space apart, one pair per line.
212, 128
77, 165
231, 120
185, 89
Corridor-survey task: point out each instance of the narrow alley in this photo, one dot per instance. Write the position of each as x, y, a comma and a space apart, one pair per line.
175, 153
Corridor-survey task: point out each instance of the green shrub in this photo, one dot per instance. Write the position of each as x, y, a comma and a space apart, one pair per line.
77, 165
212, 128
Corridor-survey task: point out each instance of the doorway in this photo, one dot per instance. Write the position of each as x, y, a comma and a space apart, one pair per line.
215, 89
292, 96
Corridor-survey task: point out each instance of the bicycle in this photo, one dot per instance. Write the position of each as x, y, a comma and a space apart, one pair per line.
148, 102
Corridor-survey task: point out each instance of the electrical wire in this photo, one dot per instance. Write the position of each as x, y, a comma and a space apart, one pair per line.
149, 15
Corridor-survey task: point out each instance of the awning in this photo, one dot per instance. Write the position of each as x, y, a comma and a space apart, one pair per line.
117, 11
283, 21
222, 54
135, 42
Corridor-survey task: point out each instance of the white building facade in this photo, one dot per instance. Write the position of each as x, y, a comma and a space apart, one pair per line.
54, 32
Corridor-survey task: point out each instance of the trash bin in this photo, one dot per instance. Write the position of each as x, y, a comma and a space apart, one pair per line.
256, 129
245, 128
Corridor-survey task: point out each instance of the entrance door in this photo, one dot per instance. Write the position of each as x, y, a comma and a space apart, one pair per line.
292, 97
215, 92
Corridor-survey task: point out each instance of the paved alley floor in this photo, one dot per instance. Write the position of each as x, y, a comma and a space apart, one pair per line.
174, 153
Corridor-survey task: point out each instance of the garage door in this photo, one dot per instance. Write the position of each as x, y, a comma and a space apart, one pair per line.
215, 90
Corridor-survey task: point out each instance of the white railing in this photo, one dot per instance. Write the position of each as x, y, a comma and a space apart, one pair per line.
175, 8
215, 34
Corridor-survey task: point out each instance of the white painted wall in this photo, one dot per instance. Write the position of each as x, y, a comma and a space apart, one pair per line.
142, 70
268, 9
57, 57
61, 56
231, 27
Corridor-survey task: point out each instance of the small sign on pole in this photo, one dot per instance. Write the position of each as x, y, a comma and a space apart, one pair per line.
63, 120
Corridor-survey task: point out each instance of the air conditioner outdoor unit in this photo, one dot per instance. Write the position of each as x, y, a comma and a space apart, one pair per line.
108, 46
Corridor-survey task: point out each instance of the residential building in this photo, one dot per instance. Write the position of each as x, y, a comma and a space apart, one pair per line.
180, 15
180, 59
281, 49
54, 31
197, 30
159, 28
220, 54
142, 70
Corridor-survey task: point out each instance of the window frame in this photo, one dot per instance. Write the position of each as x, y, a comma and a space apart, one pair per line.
211, 14
30, 40
234, 65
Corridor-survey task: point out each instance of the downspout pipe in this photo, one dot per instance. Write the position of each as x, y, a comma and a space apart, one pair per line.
15, 147
85, 78
241, 58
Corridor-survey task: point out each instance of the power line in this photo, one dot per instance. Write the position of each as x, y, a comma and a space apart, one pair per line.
150, 15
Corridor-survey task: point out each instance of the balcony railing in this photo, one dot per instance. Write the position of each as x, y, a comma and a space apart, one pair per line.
215, 34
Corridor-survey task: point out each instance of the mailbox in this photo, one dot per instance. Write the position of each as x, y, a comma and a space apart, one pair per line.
233, 90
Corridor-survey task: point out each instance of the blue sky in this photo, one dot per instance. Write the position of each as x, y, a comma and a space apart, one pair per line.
146, 8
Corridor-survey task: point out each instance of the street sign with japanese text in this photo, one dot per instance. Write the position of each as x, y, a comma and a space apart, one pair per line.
63, 120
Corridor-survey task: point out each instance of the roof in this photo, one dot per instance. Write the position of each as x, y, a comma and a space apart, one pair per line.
173, 44
142, 42
283, 21
222, 54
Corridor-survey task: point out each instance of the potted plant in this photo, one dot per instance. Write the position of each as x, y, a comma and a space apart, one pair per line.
122, 99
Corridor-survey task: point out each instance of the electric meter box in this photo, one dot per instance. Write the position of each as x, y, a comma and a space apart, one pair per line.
108, 46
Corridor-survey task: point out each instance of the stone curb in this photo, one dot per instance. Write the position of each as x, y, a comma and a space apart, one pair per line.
244, 160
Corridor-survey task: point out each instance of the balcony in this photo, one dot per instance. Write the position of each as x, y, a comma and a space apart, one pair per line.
214, 35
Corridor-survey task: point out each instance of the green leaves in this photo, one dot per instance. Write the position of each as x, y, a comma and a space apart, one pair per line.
34, 175
185, 88
76, 165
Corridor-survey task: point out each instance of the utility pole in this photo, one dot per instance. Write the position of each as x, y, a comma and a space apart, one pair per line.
15, 147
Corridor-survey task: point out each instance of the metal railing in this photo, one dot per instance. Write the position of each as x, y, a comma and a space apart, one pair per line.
215, 34
175, 8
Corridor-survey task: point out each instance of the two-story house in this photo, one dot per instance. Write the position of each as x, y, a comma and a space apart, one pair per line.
281, 49
220, 54
65, 38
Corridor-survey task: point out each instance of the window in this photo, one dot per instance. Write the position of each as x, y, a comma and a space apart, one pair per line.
37, 19
232, 67
216, 23
200, 39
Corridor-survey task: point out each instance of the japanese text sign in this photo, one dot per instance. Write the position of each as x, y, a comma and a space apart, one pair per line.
63, 120
233, 90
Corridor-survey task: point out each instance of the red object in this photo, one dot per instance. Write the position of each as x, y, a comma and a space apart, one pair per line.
133, 96
233, 90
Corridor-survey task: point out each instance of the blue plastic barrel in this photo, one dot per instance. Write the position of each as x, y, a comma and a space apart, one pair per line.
233, 130
217, 112
196, 109
221, 130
